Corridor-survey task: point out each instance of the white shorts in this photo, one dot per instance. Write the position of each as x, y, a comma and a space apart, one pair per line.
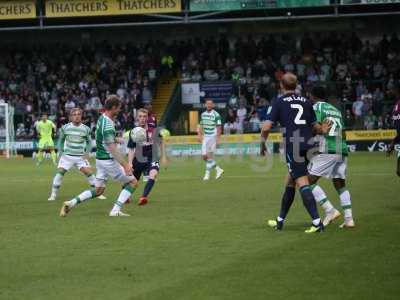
68, 161
110, 168
328, 165
209, 144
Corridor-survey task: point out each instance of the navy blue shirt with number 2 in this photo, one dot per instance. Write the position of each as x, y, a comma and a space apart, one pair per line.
296, 115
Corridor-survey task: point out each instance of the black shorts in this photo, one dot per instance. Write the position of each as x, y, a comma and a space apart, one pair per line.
297, 164
140, 168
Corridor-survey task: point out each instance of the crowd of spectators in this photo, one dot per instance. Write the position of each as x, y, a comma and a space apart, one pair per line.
56, 78
361, 76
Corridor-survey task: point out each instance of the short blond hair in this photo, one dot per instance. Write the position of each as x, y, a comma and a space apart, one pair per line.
143, 110
289, 81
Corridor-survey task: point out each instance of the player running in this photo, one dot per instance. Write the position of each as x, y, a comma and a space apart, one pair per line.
209, 134
74, 145
331, 162
296, 115
396, 140
45, 129
145, 156
109, 163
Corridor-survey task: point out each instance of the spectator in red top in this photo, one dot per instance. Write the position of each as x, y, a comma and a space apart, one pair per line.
151, 119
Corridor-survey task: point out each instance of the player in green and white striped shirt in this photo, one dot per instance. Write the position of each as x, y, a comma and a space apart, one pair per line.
209, 133
74, 144
110, 163
331, 162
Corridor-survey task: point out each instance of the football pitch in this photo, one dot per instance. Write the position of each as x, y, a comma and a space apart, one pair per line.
198, 240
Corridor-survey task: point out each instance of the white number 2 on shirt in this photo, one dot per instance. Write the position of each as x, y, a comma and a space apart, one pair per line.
300, 111
335, 126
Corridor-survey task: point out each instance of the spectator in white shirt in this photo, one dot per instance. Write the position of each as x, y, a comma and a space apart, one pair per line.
147, 96
358, 112
241, 114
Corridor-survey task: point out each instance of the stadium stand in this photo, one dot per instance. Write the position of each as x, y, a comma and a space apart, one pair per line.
360, 74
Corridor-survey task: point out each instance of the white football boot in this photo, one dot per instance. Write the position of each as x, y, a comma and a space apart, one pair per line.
331, 216
219, 172
118, 213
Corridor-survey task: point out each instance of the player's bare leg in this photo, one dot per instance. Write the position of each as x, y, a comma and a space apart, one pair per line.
88, 172
57, 181
84, 196
211, 164
345, 202
148, 187
331, 213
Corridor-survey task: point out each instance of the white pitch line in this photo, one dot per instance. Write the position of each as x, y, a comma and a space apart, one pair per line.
263, 176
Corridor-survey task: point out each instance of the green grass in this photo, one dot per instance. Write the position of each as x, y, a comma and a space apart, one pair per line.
197, 240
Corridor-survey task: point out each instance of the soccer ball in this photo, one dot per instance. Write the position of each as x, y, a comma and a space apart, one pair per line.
165, 133
138, 135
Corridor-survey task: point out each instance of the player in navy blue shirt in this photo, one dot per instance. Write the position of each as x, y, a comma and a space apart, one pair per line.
296, 115
396, 140
145, 156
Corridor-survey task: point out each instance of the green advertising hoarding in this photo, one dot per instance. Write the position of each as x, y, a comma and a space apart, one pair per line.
216, 5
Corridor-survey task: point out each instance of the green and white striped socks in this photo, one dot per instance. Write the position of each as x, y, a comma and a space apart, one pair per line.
321, 198
86, 195
126, 192
57, 181
92, 179
345, 202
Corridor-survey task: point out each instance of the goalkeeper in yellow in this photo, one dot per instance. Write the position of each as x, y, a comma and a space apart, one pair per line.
45, 129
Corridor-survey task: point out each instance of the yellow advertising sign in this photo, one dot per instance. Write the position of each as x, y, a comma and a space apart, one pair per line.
370, 135
17, 10
354, 135
226, 139
82, 8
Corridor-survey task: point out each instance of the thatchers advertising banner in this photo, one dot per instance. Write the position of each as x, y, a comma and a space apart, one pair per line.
81, 8
17, 10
